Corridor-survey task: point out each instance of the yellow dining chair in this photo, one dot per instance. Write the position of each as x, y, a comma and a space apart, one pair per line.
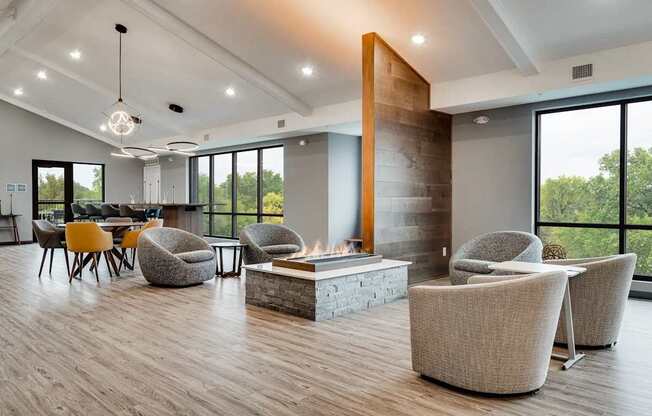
130, 241
87, 238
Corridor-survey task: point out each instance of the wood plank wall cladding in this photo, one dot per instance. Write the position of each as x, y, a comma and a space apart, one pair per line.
406, 166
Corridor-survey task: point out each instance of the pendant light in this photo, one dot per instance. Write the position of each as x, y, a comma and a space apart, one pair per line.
120, 117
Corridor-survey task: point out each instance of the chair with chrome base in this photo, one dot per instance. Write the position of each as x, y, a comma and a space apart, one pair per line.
88, 238
49, 238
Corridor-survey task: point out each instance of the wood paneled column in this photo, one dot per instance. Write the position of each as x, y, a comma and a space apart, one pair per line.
406, 164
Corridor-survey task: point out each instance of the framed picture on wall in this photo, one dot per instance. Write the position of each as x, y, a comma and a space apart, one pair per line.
11, 187
21, 187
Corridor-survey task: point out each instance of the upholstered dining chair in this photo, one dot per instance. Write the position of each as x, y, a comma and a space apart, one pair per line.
136, 214
268, 241
94, 213
78, 212
130, 241
598, 298
475, 256
494, 338
109, 210
88, 238
49, 239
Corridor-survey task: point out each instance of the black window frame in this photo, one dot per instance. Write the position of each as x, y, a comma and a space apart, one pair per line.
622, 226
69, 193
233, 213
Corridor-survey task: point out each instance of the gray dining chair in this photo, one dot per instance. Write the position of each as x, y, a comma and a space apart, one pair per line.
94, 213
50, 238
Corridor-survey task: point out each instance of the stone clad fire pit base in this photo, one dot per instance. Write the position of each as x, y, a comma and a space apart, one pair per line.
325, 295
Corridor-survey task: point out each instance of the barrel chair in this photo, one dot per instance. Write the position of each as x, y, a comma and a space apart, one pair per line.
493, 338
50, 238
174, 258
598, 299
475, 256
88, 238
268, 241
129, 241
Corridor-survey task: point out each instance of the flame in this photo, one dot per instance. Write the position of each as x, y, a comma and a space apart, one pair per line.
318, 249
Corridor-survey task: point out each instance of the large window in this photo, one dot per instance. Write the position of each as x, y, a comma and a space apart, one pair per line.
594, 180
255, 195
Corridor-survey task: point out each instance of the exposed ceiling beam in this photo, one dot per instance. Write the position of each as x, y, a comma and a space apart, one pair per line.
213, 50
56, 119
27, 15
147, 112
492, 12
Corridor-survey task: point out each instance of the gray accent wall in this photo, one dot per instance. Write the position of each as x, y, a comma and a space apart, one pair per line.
26, 136
322, 187
493, 165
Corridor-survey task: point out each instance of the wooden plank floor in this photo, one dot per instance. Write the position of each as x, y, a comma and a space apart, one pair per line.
125, 348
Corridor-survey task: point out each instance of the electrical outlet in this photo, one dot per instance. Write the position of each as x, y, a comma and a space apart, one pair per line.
443, 251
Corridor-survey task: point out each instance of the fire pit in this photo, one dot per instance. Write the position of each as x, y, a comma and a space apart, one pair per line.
327, 261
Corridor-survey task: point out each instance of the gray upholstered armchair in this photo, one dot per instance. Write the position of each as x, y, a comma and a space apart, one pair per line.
598, 299
50, 238
475, 256
267, 241
173, 257
491, 338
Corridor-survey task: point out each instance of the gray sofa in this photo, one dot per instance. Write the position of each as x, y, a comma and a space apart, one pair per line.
598, 299
173, 257
492, 338
268, 241
474, 256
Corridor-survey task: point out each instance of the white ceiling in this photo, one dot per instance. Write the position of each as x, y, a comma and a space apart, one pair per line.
277, 38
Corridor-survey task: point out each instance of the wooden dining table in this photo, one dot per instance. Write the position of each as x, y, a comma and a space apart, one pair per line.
114, 228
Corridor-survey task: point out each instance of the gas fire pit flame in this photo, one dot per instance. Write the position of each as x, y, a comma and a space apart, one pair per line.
318, 258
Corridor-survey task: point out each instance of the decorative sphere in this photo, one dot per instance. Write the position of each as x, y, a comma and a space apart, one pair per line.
121, 123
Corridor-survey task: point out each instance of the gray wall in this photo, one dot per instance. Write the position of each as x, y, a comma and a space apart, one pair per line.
493, 166
26, 136
306, 187
344, 183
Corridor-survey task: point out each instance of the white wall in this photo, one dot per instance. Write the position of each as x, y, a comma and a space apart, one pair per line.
174, 173
493, 165
26, 136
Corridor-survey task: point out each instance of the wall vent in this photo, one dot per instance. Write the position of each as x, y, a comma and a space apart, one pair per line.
280, 124
582, 72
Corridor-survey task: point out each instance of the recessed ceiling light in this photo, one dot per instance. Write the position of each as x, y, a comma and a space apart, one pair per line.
229, 92
18, 92
42, 75
76, 54
102, 127
418, 39
307, 71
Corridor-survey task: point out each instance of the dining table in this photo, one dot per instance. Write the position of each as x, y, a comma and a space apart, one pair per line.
572, 272
114, 228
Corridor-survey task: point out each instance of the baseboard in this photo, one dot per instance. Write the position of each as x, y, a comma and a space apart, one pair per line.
639, 294
11, 243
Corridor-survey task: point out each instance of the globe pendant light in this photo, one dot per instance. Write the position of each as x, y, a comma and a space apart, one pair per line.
121, 120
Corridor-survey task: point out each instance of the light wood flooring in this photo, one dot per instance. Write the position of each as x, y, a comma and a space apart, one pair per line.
125, 348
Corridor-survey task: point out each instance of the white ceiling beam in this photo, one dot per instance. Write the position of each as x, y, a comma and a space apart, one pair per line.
213, 50
147, 112
493, 13
27, 15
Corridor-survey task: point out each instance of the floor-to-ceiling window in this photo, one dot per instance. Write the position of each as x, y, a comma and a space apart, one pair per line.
594, 180
255, 195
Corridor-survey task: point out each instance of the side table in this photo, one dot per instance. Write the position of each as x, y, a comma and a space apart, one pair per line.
237, 259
